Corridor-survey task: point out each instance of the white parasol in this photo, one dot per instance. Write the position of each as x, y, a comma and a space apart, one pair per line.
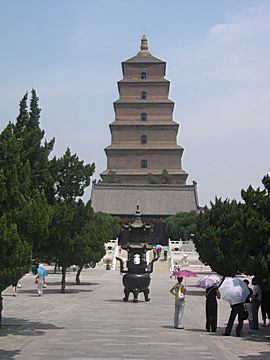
233, 290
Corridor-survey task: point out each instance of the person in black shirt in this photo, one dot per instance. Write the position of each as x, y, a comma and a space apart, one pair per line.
265, 303
212, 293
248, 304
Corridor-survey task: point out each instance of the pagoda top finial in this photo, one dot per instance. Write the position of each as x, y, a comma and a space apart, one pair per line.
144, 43
144, 46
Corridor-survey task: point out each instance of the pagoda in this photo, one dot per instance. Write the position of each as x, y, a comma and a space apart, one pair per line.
144, 150
143, 134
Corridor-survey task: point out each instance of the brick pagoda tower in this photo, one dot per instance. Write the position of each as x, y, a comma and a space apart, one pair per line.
143, 142
143, 135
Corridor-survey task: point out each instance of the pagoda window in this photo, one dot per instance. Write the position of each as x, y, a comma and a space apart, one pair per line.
143, 95
144, 163
143, 75
143, 139
143, 116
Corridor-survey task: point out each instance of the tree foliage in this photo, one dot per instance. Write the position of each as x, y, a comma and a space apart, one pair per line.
234, 237
41, 214
219, 237
71, 176
257, 229
163, 178
15, 254
112, 178
89, 243
35, 150
23, 205
181, 226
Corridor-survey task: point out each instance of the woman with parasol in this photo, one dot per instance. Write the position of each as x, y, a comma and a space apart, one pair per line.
179, 291
210, 284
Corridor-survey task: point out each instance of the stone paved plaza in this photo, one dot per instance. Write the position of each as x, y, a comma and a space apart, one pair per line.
91, 321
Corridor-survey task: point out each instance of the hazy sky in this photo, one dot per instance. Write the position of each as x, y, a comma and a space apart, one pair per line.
217, 54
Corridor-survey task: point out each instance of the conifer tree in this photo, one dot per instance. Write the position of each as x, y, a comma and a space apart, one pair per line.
97, 228
219, 237
15, 254
22, 199
257, 229
71, 177
34, 149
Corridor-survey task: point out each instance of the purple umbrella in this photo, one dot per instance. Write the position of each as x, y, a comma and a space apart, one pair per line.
208, 281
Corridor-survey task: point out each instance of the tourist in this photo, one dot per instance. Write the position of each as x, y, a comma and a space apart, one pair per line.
40, 279
248, 304
211, 306
14, 288
165, 254
179, 291
1, 309
256, 302
236, 309
265, 303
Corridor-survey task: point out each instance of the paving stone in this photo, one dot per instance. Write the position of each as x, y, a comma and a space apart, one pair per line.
92, 322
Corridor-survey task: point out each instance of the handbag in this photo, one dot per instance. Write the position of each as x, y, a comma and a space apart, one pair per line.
180, 294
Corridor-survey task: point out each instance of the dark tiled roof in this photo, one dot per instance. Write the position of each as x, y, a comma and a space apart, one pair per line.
143, 59
121, 199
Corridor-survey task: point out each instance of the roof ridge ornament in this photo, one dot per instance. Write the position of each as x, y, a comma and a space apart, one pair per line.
137, 223
144, 46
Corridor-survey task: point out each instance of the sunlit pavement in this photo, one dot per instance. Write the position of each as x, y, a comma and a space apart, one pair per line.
91, 321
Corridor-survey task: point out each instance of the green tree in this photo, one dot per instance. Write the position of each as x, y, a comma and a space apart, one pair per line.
257, 229
25, 173
181, 226
23, 204
71, 177
112, 178
219, 237
34, 149
33, 218
89, 244
152, 179
15, 254
61, 241
163, 178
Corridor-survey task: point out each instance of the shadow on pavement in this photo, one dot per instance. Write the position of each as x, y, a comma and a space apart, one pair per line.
196, 330
49, 291
9, 354
71, 283
168, 327
263, 355
194, 293
258, 337
24, 327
